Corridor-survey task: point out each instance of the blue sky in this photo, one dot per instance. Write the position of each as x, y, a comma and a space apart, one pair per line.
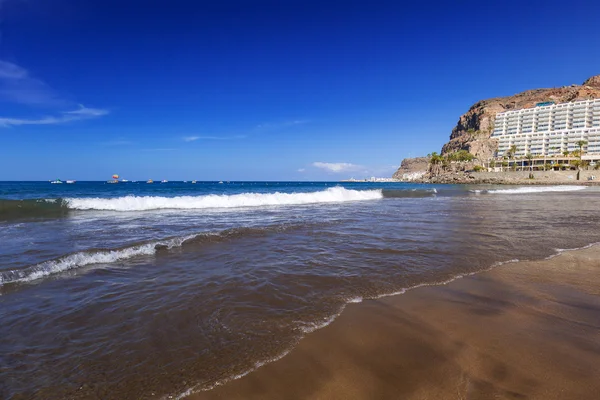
273, 90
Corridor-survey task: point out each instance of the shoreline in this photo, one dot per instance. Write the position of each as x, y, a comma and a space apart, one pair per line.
492, 333
551, 178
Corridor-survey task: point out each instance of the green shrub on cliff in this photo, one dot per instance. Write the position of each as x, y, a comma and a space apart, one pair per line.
460, 155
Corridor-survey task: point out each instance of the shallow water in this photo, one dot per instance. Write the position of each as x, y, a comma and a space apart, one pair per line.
138, 291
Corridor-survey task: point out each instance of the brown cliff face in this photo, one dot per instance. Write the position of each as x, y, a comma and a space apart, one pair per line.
594, 81
474, 128
412, 168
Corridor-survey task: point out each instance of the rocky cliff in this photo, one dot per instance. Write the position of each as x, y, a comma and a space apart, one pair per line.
412, 169
474, 128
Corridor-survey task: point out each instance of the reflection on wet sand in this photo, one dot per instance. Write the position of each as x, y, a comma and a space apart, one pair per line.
524, 330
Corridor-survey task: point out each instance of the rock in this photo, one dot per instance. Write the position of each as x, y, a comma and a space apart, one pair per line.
412, 169
594, 81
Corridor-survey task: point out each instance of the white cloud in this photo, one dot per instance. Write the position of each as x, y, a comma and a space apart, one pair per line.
11, 71
67, 116
337, 167
301, 169
18, 86
85, 112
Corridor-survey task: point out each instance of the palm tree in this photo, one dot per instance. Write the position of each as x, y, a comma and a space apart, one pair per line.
512, 151
581, 143
435, 160
529, 157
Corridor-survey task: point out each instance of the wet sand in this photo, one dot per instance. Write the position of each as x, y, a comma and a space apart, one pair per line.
526, 330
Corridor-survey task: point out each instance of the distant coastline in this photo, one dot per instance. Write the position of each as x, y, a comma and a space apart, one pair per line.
372, 179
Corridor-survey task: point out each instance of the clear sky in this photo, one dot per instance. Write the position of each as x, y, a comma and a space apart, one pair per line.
265, 90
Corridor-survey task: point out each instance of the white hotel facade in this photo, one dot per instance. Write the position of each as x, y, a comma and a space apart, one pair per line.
549, 130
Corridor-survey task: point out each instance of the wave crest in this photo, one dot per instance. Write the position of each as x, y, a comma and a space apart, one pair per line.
89, 257
531, 189
145, 203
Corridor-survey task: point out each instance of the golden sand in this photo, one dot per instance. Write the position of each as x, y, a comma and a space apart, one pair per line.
527, 330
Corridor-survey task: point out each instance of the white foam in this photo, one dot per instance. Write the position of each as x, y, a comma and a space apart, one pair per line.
144, 203
85, 258
357, 299
316, 325
532, 189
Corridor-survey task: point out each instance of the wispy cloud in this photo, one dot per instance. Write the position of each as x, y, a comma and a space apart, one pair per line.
68, 116
281, 125
10, 70
337, 167
85, 112
18, 86
194, 138
301, 169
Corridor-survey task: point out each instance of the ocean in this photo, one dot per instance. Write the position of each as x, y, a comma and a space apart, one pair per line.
137, 290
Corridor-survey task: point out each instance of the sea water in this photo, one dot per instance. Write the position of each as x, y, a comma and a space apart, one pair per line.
136, 290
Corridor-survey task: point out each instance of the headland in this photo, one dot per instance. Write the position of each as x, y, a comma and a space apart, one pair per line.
539, 131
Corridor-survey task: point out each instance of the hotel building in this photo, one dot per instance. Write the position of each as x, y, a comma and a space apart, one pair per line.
550, 129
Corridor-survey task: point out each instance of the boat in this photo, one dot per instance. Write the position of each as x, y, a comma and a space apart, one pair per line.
164, 181
56, 181
194, 182
184, 181
124, 180
220, 181
149, 181
115, 179
71, 181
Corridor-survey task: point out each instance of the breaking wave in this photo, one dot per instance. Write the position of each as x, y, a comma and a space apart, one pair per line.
54, 208
144, 203
531, 189
107, 256
89, 257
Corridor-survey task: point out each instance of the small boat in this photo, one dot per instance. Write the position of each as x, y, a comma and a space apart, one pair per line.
115, 179
184, 181
220, 181
149, 181
71, 181
56, 181
164, 181
124, 180
194, 182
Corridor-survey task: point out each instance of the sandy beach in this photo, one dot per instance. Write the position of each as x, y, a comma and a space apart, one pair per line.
524, 330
